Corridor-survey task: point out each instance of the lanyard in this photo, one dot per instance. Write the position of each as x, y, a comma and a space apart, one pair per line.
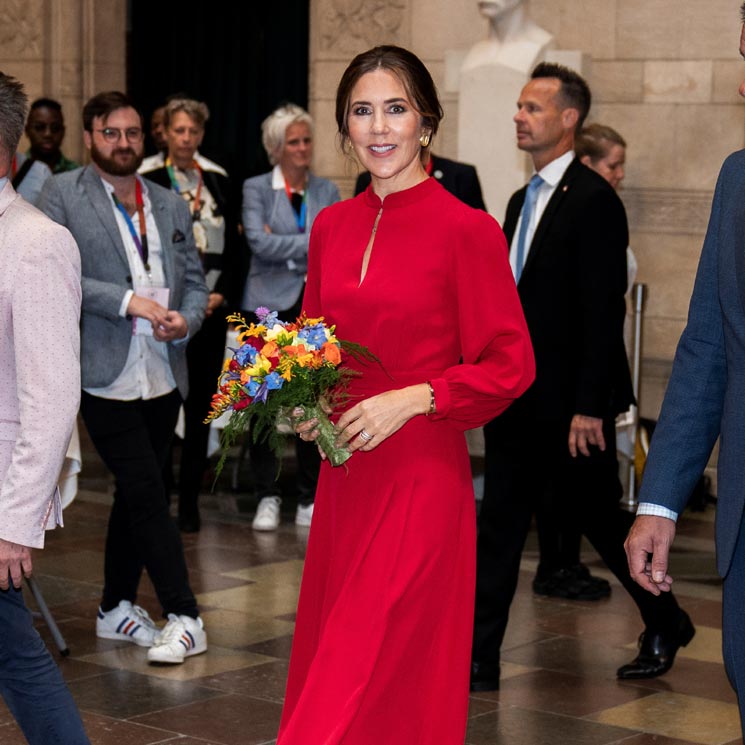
299, 218
141, 240
196, 208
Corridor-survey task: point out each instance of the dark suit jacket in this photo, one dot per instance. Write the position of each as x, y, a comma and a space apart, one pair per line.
234, 263
572, 291
706, 393
460, 179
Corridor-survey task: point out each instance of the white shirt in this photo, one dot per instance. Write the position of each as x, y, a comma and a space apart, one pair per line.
551, 175
154, 162
147, 371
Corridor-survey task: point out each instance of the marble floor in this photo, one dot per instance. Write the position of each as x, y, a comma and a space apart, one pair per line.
558, 688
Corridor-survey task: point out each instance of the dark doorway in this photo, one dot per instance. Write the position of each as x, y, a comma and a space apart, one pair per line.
242, 58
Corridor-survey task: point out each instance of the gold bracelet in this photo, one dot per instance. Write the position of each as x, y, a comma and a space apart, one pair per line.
432, 407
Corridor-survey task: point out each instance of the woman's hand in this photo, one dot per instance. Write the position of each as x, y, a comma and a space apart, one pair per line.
375, 419
308, 429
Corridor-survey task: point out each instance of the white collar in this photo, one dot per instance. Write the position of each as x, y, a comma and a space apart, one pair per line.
555, 170
278, 179
110, 189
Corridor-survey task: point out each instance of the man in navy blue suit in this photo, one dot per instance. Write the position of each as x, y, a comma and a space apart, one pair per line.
705, 400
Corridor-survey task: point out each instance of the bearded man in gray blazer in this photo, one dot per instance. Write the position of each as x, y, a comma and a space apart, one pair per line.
144, 295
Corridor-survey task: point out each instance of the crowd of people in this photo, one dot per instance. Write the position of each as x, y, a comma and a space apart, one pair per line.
518, 329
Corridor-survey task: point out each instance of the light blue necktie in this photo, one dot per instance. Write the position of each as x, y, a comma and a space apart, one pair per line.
528, 206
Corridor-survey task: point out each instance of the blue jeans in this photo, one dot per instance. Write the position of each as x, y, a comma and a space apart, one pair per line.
31, 683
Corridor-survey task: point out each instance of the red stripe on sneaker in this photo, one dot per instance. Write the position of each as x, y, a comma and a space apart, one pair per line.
126, 629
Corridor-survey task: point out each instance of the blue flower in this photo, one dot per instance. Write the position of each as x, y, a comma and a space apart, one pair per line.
261, 393
274, 381
252, 387
314, 335
246, 354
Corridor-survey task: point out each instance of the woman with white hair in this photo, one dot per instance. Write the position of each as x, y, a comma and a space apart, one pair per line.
279, 208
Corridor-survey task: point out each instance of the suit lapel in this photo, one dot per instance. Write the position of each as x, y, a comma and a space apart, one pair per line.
543, 227
102, 204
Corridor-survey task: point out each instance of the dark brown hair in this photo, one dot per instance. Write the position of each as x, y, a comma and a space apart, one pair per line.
103, 104
574, 93
407, 67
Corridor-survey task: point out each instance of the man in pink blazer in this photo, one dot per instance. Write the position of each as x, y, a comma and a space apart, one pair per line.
39, 395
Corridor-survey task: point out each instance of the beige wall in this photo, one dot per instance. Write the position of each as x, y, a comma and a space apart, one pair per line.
65, 49
663, 72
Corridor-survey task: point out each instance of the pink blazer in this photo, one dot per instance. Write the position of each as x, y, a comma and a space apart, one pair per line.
39, 365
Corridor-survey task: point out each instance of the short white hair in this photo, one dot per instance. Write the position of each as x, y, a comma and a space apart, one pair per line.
274, 128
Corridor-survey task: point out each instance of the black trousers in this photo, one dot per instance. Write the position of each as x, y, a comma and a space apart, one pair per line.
133, 439
527, 466
204, 357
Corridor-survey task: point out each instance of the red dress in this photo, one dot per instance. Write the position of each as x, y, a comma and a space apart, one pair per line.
381, 653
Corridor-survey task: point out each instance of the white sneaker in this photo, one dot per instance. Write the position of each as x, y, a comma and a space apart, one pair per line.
128, 623
267, 514
181, 637
304, 515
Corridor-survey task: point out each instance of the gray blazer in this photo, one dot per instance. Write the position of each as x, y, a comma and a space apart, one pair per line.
279, 260
78, 201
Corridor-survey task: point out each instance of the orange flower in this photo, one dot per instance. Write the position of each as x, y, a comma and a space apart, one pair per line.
331, 353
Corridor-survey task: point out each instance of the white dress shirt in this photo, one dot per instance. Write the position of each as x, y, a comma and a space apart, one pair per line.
147, 371
551, 175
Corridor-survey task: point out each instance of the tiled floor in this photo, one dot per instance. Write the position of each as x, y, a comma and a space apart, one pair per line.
559, 686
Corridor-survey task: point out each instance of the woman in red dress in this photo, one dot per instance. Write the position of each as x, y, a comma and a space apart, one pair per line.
383, 634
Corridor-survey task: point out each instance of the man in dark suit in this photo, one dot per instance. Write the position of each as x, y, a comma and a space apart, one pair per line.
705, 399
554, 449
144, 296
460, 179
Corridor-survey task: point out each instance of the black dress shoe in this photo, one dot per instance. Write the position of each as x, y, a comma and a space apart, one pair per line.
657, 651
571, 583
484, 676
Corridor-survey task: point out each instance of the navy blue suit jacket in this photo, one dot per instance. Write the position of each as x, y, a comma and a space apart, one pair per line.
706, 394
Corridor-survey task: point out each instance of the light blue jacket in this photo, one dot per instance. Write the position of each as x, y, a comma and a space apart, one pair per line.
279, 260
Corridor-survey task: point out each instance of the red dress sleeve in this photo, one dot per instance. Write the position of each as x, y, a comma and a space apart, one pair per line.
497, 363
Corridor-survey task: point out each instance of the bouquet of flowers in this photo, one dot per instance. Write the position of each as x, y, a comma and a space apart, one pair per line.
277, 368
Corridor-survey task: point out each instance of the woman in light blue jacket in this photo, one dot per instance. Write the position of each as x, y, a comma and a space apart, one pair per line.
279, 208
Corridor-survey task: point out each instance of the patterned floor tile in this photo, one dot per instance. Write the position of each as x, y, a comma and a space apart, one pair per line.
699, 720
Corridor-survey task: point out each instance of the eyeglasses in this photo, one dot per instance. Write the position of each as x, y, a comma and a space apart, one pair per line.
112, 135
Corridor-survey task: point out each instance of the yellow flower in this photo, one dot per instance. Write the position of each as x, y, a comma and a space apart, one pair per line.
261, 366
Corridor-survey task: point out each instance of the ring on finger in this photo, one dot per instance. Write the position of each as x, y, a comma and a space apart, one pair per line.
365, 435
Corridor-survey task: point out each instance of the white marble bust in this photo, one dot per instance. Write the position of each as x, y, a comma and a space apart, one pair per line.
513, 41
491, 77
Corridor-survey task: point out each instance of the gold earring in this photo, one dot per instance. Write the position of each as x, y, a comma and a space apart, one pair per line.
424, 139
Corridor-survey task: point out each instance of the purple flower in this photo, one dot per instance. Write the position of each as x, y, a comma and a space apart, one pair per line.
262, 393
266, 316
